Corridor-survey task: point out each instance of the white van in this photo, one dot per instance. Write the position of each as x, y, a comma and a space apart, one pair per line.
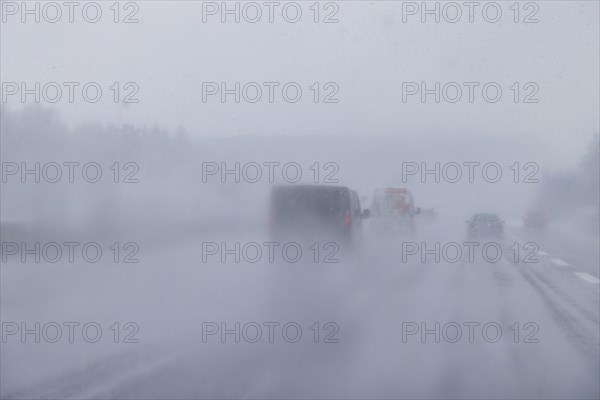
393, 209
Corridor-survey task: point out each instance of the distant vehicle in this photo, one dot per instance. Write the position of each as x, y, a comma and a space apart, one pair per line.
485, 225
535, 219
316, 211
393, 210
429, 213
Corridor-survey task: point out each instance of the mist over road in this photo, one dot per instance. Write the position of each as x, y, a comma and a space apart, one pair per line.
374, 301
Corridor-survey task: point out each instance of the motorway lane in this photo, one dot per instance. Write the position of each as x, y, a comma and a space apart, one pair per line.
369, 296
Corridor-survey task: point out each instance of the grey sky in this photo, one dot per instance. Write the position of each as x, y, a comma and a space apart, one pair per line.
368, 54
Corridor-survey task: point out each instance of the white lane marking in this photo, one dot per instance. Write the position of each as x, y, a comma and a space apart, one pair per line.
560, 262
588, 277
542, 253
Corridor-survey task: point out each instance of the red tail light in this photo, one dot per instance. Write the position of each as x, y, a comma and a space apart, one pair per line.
347, 219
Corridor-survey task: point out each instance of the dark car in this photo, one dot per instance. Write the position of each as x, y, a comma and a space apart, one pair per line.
485, 225
315, 211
